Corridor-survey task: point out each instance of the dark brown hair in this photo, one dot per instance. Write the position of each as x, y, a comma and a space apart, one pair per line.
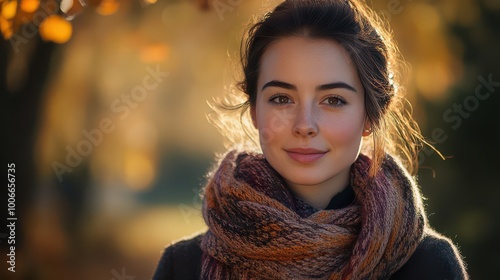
370, 45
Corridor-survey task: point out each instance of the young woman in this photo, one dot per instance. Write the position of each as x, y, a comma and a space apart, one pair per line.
331, 196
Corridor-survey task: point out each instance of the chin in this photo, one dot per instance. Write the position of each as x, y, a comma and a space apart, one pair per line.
304, 180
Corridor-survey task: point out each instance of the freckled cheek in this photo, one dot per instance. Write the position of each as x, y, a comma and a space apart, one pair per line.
267, 126
273, 124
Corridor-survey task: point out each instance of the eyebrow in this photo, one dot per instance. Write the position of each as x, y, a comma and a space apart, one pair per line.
280, 84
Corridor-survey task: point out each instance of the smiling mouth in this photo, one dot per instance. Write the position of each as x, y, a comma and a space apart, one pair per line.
305, 155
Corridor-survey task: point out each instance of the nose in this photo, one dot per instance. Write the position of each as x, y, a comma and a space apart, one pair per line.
305, 123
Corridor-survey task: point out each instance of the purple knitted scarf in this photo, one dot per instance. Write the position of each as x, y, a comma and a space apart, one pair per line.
257, 229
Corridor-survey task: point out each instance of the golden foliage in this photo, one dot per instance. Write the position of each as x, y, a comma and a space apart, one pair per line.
30, 6
5, 27
107, 7
14, 14
56, 29
9, 9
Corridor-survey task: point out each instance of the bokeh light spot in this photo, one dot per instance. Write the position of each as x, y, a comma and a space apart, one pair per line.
56, 29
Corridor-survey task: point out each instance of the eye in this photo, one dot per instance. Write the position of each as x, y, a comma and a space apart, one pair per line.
334, 101
280, 99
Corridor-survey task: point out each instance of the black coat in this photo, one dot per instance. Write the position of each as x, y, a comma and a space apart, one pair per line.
435, 258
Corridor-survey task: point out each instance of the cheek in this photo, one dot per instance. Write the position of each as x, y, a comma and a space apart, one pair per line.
265, 127
343, 132
272, 124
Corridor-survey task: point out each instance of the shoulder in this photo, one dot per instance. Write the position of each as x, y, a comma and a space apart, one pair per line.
181, 260
435, 258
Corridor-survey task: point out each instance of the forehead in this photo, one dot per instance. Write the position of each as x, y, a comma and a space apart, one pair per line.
307, 59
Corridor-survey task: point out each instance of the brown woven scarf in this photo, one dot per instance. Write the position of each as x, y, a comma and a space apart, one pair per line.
257, 229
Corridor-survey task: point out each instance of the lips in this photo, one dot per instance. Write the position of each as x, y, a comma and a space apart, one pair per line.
305, 155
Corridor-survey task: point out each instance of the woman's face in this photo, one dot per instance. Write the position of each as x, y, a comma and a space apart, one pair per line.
309, 111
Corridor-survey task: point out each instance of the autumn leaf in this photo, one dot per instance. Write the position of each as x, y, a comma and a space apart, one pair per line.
9, 9
30, 6
5, 27
56, 29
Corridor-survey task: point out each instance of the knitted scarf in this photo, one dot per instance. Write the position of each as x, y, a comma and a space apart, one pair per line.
257, 229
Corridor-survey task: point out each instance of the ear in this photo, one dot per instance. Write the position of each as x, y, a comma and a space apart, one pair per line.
253, 114
367, 128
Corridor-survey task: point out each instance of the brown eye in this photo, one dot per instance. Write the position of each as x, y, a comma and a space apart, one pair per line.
280, 99
334, 101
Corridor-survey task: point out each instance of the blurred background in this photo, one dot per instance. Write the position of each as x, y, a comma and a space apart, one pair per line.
104, 113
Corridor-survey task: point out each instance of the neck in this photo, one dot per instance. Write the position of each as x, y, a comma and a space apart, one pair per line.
319, 195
